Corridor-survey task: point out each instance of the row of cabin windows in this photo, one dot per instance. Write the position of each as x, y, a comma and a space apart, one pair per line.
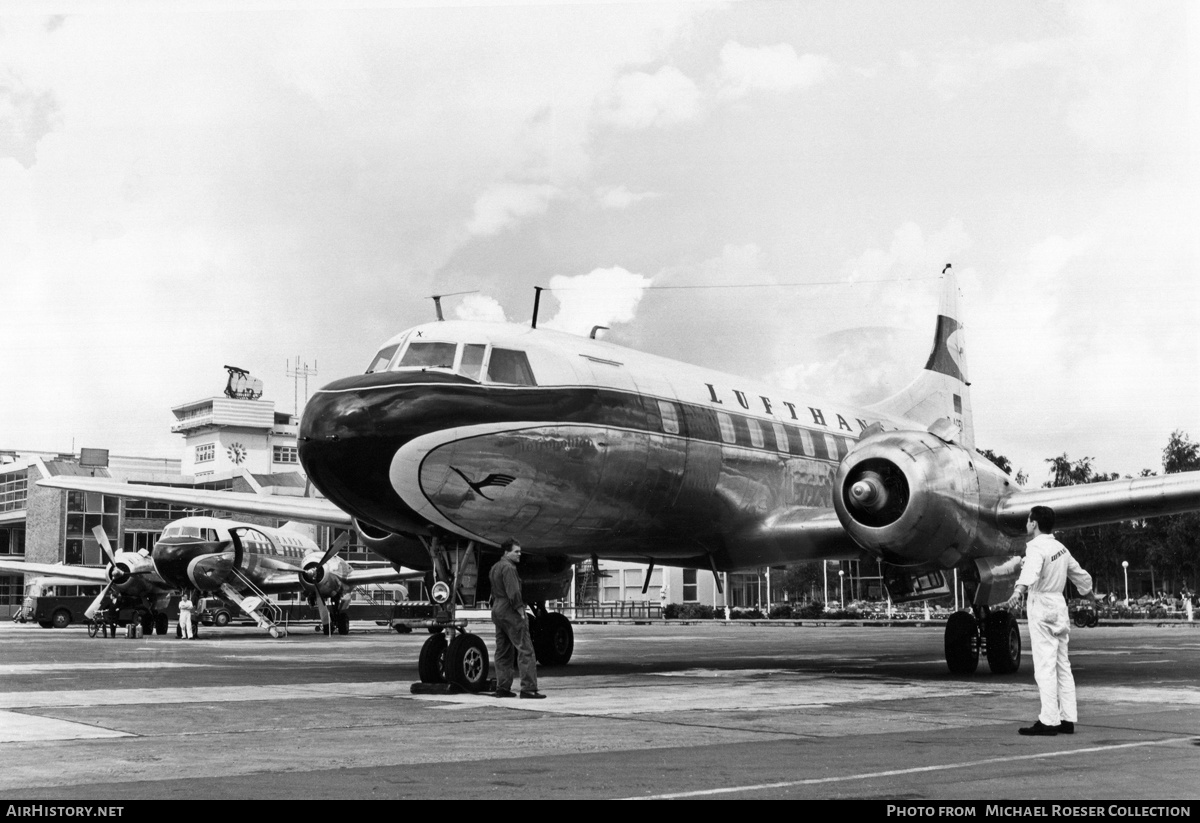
788, 440
474, 360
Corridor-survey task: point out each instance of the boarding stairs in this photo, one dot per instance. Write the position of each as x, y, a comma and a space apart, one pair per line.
260, 609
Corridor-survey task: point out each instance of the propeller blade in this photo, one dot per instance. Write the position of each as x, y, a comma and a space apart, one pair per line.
324, 610
335, 547
91, 610
102, 539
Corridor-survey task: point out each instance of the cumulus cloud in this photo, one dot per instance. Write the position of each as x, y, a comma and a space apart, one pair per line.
480, 307
506, 203
768, 68
640, 100
26, 116
619, 197
603, 297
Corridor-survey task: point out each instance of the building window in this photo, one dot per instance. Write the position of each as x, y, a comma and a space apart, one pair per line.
726, 424
14, 488
85, 511
206, 452
284, 454
136, 541
691, 591
12, 542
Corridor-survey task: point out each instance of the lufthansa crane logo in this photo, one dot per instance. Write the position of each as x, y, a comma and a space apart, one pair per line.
500, 480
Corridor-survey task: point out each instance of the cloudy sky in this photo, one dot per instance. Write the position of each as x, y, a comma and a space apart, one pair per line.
248, 183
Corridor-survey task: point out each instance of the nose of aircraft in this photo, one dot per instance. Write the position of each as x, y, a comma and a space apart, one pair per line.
353, 427
173, 558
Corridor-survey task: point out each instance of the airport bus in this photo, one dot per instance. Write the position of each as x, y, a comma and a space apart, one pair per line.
57, 602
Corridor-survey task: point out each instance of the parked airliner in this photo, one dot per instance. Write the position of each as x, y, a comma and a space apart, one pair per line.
461, 434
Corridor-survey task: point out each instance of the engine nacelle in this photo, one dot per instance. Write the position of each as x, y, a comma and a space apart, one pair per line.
910, 498
327, 580
395, 548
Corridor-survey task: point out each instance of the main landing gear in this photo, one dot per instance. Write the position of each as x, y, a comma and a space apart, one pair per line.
995, 633
460, 659
552, 635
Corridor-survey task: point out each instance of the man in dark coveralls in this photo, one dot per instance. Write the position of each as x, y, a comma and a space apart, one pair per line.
512, 631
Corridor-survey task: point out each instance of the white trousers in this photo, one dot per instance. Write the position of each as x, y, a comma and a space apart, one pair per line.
1049, 635
185, 623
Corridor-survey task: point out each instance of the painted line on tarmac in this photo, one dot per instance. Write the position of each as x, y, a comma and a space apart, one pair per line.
817, 781
23, 728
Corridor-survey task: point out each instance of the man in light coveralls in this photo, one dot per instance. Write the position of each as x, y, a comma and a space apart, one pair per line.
1044, 574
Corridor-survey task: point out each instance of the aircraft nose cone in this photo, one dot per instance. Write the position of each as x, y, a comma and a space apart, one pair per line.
173, 557
868, 492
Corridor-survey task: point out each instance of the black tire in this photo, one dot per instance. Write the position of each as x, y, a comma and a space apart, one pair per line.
161, 623
1080, 618
962, 646
553, 639
465, 662
221, 618
45, 624
60, 619
1093, 618
147, 621
1003, 643
343, 623
402, 629
93, 627
429, 663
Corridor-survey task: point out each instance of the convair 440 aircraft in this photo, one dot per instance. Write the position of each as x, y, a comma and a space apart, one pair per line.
462, 434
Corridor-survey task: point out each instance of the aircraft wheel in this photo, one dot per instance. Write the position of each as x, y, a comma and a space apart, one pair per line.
429, 663
465, 662
161, 623
147, 621
343, 623
1003, 643
962, 648
60, 619
553, 639
402, 629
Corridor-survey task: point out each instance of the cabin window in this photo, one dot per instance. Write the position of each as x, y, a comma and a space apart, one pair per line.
381, 360
781, 438
806, 443
725, 422
472, 361
429, 356
831, 443
670, 420
510, 367
756, 433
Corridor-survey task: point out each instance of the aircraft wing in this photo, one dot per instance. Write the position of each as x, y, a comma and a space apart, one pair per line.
84, 573
288, 579
1093, 504
799, 534
309, 509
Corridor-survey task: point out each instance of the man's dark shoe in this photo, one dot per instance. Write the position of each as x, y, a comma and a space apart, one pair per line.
1039, 729
504, 693
1066, 727
532, 695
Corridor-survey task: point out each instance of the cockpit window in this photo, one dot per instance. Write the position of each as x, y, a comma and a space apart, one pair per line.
382, 359
428, 356
472, 361
510, 367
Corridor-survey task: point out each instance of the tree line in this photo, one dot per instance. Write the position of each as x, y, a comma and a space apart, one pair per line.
1167, 546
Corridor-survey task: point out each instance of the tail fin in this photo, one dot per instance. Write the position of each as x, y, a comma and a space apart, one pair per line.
942, 389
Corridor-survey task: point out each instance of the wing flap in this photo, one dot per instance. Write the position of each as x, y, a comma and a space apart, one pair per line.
309, 509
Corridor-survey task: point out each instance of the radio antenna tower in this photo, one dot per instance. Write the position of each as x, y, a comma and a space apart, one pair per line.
296, 372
